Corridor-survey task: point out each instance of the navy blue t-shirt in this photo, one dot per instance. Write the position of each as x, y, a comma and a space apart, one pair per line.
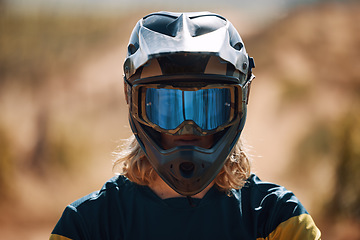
125, 210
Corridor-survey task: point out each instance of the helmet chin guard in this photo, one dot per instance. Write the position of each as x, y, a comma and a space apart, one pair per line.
185, 60
188, 169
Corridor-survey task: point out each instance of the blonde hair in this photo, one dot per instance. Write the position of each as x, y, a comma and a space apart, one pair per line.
133, 164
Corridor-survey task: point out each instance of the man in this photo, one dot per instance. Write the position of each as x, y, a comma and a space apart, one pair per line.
185, 174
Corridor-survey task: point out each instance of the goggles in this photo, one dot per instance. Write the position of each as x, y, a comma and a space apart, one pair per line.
167, 108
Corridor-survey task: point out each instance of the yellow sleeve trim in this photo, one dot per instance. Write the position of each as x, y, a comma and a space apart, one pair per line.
300, 227
58, 237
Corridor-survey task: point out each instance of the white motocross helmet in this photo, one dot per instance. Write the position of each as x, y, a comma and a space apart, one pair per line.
187, 73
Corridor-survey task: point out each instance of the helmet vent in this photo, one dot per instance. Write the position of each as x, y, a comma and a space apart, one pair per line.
171, 24
238, 46
187, 169
132, 49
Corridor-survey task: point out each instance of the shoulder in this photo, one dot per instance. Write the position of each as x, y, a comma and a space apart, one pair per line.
262, 194
84, 217
277, 210
255, 184
116, 186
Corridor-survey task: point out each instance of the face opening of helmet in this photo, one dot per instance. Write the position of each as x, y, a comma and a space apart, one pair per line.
191, 106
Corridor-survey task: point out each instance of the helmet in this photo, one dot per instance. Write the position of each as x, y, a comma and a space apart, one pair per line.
187, 73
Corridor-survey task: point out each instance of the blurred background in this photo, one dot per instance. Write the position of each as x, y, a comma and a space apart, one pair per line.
62, 108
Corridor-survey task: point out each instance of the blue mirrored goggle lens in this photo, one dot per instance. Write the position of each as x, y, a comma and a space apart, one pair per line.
168, 108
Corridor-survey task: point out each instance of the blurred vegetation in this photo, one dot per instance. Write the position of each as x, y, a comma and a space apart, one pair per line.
6, 164
335, 143
315, 44
294, 91
36, 135
34, 46
346, 198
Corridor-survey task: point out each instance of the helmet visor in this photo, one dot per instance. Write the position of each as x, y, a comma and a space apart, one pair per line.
169, 108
